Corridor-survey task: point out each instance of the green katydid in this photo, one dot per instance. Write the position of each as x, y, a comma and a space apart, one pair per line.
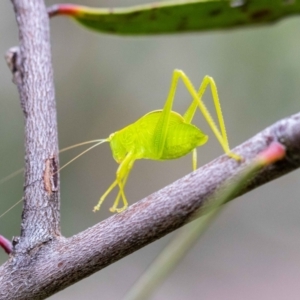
161, 135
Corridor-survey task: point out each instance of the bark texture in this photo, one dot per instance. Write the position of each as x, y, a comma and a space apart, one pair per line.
34, 77
62, 262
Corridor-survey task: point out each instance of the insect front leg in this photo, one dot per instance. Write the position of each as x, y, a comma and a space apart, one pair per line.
120, 194
111, 187
121, 178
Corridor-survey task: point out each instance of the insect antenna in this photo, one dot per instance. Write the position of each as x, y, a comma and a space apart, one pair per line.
10, 176
11, 208
19, 171
98, 142
85, 151
82, 144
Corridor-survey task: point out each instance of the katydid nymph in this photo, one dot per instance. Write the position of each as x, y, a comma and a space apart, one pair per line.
161, 135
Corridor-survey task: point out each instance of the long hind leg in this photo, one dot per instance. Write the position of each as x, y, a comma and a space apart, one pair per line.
162, 125
197, 102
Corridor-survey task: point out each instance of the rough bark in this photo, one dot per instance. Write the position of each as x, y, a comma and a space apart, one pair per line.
62, 262
32, 71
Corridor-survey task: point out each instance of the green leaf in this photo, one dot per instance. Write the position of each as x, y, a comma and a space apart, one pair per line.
179, 16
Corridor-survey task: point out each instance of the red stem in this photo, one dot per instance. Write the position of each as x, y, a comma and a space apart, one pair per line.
5, 244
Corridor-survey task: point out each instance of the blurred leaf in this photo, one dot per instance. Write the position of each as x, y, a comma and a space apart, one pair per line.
179, 16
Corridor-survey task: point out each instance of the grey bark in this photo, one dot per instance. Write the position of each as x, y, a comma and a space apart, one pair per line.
43, 262
32, 71
62, 262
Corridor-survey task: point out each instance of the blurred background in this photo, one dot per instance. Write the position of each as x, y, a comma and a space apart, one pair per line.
105, 82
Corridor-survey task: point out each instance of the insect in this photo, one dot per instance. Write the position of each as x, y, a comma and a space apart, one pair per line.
161, 135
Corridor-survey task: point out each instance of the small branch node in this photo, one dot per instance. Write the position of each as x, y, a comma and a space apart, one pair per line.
13, 60
52, 10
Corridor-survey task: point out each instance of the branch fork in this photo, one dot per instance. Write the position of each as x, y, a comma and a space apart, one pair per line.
42, 262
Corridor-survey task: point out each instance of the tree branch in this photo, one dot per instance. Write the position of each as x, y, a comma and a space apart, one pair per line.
63, 262
43, 262
32, 71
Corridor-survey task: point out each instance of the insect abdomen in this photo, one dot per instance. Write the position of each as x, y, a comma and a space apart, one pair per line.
139, 138
181, 139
